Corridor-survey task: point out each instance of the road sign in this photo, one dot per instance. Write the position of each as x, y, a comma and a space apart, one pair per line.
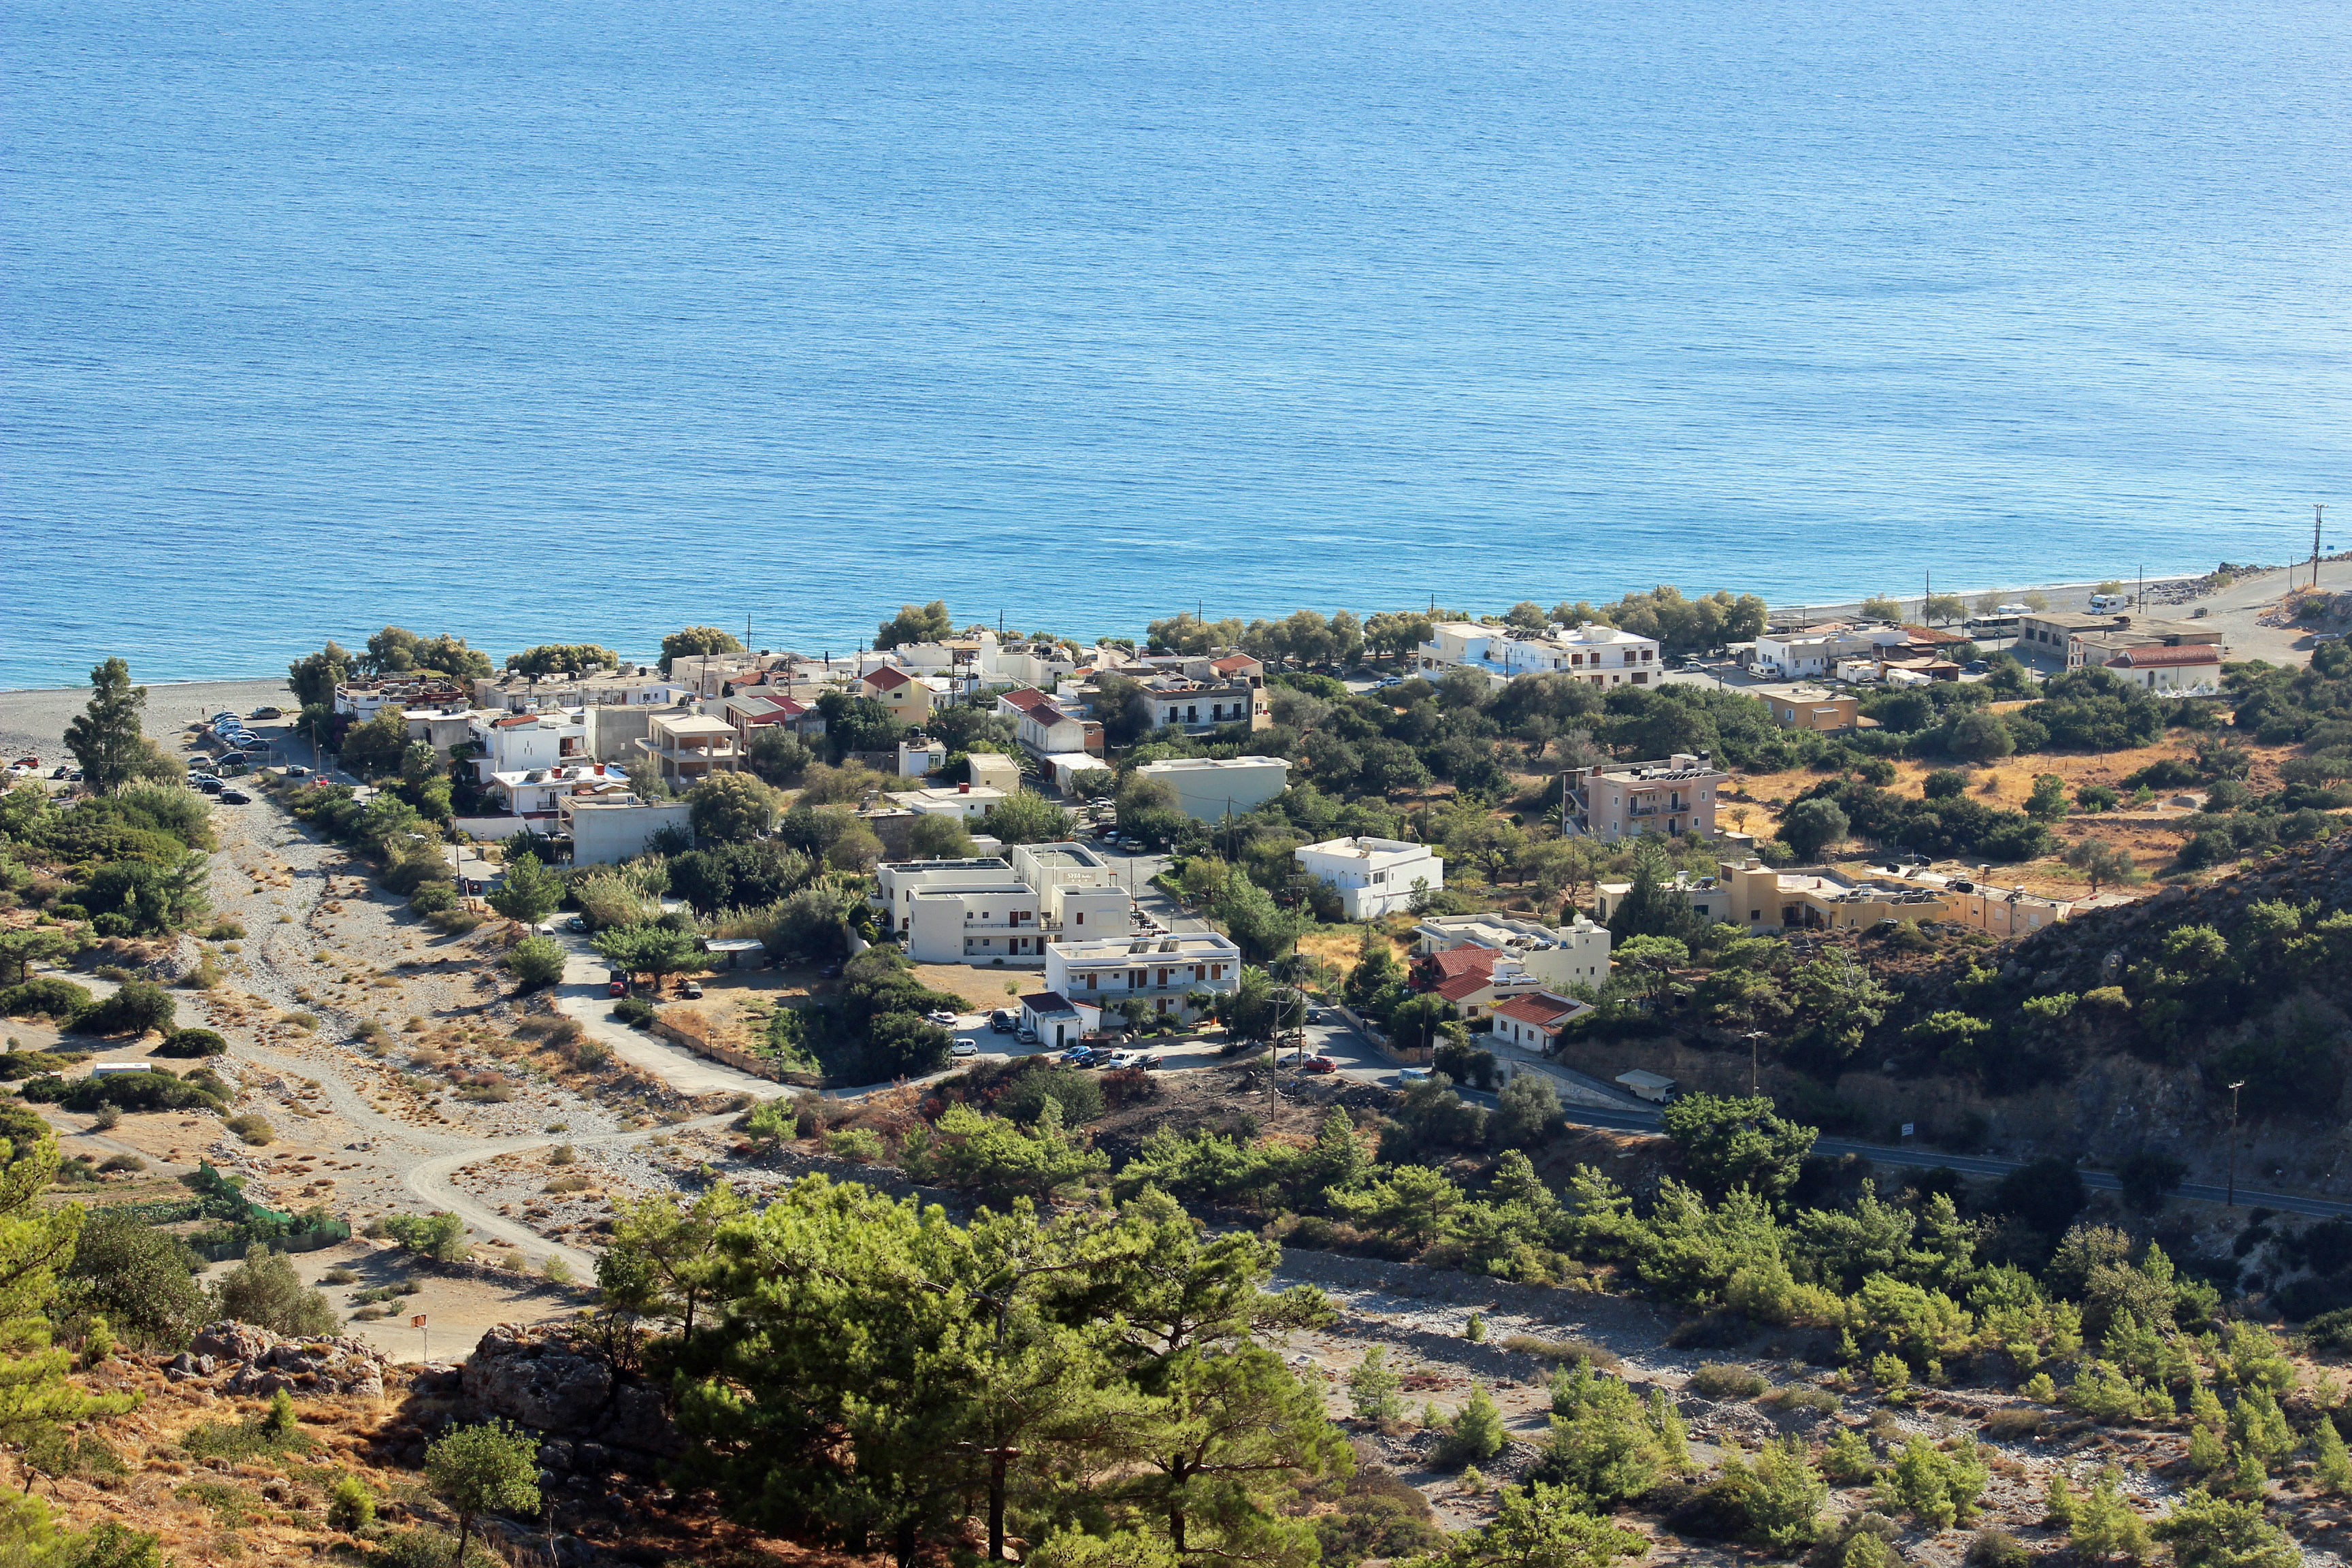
417, 1322
1909, 1128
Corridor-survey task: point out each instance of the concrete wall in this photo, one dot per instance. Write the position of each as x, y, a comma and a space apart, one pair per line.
1206, 790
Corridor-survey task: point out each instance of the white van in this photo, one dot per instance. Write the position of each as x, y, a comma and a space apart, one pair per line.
2103, 603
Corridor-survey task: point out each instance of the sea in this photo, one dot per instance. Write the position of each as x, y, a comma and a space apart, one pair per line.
544, 321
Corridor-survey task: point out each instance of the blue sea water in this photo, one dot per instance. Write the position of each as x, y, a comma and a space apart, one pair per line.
583, 319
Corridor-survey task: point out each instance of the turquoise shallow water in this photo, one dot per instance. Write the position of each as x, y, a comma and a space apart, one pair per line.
582, 319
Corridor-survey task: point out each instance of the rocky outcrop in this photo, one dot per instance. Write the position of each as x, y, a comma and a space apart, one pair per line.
253, 1361
592, 1417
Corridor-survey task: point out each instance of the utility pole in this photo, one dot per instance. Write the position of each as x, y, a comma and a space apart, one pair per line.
2233, 1140
2317, 511
1754, 1035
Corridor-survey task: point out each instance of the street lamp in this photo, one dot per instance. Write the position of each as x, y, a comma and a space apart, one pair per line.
2233, 1140
1754, 1035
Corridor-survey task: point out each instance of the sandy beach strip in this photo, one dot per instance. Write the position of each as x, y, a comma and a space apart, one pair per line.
34, 722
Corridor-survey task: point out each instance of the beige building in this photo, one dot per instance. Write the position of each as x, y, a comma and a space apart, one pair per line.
689, 747
1555, 955
1625, 800
1810, 708
910, 699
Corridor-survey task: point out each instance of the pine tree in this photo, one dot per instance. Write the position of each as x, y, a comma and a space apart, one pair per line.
1372, 1387
106, 739
2329, 1460
528, 892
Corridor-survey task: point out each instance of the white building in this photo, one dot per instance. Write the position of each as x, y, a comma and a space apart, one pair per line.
966, 802
1604, 655
920, 756
1209, 789
1162, 972
608, 827
519, 743
993, 770
1078, 892
960, 911
1791, 656
1375, 876
534, 792
1557, 955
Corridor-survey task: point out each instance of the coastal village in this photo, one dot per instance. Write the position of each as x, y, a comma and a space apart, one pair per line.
445, 989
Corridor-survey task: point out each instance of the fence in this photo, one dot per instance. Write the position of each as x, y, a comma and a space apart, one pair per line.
298, 1241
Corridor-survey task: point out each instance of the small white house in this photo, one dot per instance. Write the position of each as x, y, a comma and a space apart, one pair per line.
1375, 876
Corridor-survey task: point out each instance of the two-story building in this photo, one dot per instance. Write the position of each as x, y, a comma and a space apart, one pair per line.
912, 699
961, 912
1049, 731
365, 696
1625, 800
1079, 892
1196, 707
1603, 656
1374, 876
1163, 972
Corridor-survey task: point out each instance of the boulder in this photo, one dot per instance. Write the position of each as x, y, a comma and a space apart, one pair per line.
590, 1418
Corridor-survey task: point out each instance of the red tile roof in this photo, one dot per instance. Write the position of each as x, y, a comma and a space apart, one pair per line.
1467, 960
1027, 699
888, 677
1457, 987
2159, 657
509, 723
1540, 1008
1233, 661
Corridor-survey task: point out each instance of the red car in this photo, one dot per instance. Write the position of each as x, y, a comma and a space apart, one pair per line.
617, 986
1319, 1064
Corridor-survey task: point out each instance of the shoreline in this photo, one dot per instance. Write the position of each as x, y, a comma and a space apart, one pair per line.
33, 719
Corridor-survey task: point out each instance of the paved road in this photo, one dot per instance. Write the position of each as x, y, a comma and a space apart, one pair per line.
581, 996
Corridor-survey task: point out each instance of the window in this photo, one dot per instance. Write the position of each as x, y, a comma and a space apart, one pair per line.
1081, 919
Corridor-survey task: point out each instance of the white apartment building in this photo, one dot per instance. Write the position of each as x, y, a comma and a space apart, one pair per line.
1209, 789
1162, 971
1603, 656
1183, 702
961, 912
1555, 955
364, 698
1625, 800
1375, 876
984, 663
1078, 892
536, 792
519, 743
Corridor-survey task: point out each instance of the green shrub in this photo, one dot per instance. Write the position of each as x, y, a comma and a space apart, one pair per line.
264, 1291
1938, 1487
536, 961
1726, 1379
136, 1006
1561, 1352
432, 898
862, 1145
131, 1092
45, 997
1997, 1549
193, 1042
438, 1236
633, 1011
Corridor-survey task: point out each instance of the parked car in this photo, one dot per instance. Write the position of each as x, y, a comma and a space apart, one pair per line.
1976, 666
1026, 1034
61, 771
1077, 1055
942, 1018
1319, 1064
616, 985
829, 972
234, 796
268, 713
208, 782
576, 923
1003, 1022
691, 989
296, 771
1151, 1061
964, 1047
1110, 1061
